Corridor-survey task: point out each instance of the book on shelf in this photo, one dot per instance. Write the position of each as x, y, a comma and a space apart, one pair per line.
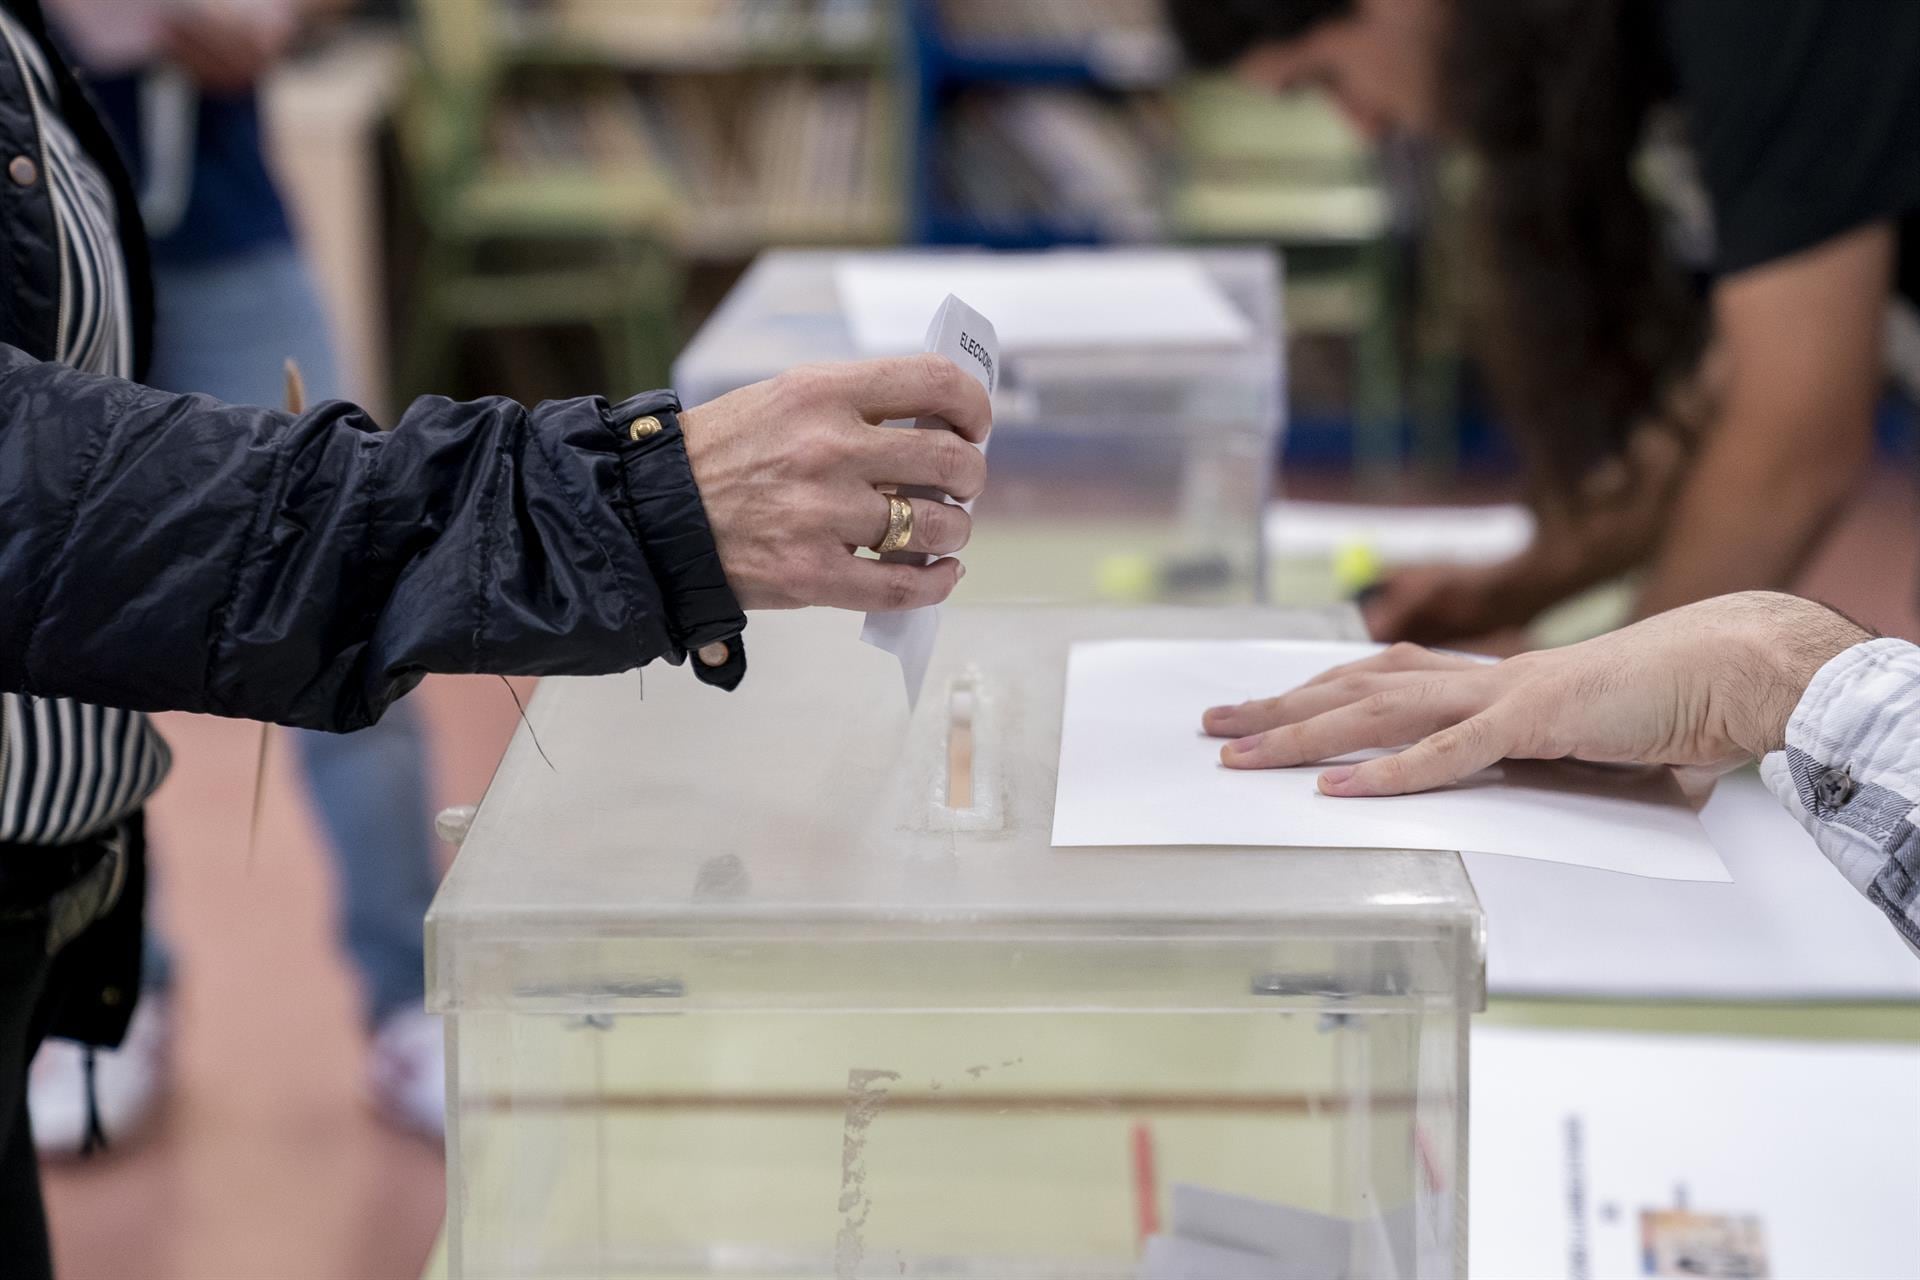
747, 155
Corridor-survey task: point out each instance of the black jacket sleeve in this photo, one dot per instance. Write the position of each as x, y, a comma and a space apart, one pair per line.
164, 552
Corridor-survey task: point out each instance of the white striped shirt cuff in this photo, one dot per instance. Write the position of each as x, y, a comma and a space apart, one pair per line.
1851, 773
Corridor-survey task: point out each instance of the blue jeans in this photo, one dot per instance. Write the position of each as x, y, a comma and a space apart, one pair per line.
227, 328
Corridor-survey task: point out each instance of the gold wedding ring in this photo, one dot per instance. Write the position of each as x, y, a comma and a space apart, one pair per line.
899, 525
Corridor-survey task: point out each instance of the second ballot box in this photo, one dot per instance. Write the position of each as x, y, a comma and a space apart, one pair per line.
1130, 461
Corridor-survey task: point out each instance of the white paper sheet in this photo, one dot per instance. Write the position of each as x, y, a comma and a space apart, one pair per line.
1135, 769
1132, 299
1398, 535
1579, 1136
1789, 927
967, 338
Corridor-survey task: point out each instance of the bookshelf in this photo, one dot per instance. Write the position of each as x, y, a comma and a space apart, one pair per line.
603, 169
751, 122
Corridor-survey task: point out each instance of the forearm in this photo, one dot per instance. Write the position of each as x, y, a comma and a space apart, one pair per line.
1798, 374
167, 552
1748, 516
1850, 772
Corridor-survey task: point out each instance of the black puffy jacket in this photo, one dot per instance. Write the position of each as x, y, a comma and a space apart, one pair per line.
165, 552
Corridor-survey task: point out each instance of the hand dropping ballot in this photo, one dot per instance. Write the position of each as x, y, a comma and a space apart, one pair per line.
967, 338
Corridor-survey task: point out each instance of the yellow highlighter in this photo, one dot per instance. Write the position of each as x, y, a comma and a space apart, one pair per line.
1357, 569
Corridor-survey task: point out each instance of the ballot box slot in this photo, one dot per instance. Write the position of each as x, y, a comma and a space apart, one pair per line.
960, 701
965, 790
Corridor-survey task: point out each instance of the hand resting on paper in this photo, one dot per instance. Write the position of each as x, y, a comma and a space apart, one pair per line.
1710, 685
791, 471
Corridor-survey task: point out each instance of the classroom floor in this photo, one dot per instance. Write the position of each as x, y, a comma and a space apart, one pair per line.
267, 1162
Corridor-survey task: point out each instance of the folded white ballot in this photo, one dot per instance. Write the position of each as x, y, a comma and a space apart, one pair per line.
967, 338
1135, 769
1215, 1235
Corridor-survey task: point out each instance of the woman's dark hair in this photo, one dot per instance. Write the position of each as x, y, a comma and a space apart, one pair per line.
1584, 325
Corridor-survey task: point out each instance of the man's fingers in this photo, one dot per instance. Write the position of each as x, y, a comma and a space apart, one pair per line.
1445, 757
878, 586
907, 387
1402, 664
1398, 657
1389, 719
1305, 702
938, 460
939, 528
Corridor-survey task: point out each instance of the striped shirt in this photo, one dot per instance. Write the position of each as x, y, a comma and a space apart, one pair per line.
69, 770
1851, 773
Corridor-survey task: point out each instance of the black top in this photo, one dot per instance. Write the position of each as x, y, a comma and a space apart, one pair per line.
1805, 119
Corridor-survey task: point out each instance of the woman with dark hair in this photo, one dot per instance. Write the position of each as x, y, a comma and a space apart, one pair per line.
1708, 441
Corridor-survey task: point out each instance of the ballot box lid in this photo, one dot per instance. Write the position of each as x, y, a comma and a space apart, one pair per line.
790, 309
811, 805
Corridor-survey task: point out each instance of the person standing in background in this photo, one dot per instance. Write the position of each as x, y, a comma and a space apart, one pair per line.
234, 301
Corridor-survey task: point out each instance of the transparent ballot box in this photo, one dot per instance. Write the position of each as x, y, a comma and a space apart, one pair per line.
1120, 472
791, 983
